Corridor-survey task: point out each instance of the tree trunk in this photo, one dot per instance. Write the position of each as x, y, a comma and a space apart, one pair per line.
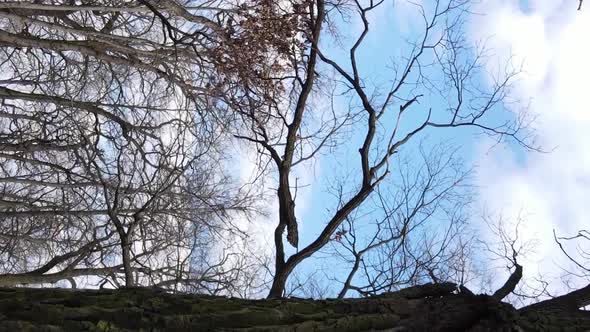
126, 249
415, 309
279, 281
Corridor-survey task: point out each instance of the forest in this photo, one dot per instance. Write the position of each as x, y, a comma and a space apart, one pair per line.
264, 165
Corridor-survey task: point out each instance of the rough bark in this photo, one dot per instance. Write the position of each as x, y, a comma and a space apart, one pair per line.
431, 307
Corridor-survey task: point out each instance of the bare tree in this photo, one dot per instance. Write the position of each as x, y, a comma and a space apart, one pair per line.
293, 133
575, 249
417, 235
111, 140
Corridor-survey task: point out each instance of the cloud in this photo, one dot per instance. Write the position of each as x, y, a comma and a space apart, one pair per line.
551, 38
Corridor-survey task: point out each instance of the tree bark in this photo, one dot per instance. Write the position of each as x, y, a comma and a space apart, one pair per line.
435, 307
126, 249
277, 289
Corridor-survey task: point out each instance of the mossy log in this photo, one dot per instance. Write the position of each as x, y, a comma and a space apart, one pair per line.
143, 309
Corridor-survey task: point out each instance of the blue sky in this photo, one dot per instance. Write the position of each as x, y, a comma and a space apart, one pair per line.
392, 25
550, 39
552, 190
546, 36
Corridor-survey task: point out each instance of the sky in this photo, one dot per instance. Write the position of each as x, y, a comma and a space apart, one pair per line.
547, 191
550, 190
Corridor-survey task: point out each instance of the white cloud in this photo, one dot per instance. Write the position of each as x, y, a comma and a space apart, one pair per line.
551, 37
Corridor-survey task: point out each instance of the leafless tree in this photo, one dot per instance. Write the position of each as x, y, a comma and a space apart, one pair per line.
289, 132
575, 248
111, 140
418, 234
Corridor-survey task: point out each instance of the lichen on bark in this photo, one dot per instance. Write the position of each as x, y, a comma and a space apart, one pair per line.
421, 308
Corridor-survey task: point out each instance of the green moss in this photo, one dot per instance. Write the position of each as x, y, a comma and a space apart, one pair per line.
156, 304
104, 326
